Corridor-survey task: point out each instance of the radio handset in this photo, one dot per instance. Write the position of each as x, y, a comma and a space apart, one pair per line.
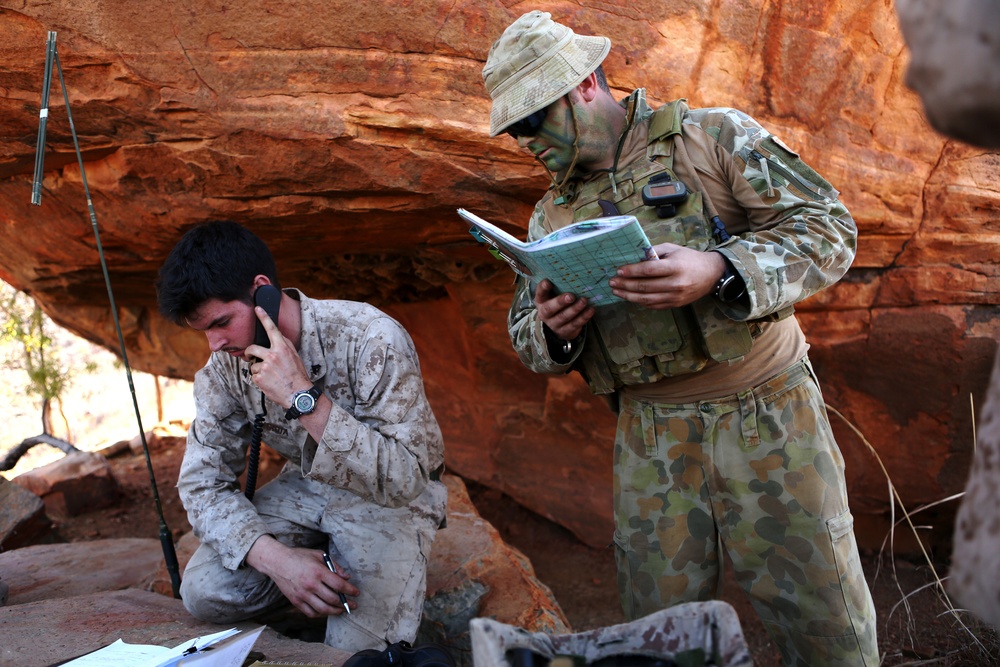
267, 297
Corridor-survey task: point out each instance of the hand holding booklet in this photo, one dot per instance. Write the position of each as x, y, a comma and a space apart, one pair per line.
579, 258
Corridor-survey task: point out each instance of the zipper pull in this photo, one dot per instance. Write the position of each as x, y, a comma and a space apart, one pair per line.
766, 171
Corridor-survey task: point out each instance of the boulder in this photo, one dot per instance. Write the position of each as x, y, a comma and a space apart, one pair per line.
77, 483
954, 68
55, 571
160, 437
954, 49
23, 520
472, 573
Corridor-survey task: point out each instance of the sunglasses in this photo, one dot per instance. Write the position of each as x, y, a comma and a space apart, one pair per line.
528, 126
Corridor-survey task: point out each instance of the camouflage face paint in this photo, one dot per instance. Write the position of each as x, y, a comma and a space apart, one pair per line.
553, 144
570, 121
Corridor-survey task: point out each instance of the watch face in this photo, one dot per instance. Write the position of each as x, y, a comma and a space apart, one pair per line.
731, 290
726, 288
304, 403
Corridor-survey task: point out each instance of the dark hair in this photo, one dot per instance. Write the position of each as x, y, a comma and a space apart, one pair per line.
215, 260
602, 80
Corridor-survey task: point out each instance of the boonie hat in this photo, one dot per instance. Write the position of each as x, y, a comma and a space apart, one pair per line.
534, 63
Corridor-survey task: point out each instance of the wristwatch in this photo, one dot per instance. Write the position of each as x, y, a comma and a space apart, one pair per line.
559, 345
303, 402
730, 286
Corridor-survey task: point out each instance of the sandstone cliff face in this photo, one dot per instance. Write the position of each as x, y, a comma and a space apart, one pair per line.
346, 134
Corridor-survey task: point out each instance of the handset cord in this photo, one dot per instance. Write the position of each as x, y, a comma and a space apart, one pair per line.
166, 539
256, 433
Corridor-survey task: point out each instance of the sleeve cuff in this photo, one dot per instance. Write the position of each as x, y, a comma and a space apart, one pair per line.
561, 352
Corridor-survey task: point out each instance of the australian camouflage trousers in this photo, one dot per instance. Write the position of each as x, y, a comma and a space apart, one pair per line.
760, 474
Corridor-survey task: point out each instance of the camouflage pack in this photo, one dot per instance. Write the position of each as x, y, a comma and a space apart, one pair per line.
694, 634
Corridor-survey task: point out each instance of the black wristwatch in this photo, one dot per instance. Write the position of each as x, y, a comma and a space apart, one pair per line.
730, 287
303, 403
558, 346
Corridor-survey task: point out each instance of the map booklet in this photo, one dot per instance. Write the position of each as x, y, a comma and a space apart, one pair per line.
579, 258
228, 648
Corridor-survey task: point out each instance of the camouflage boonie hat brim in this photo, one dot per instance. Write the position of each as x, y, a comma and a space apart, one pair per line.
534, 63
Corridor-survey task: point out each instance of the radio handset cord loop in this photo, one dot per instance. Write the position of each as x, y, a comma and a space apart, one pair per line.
256, 432
267, 297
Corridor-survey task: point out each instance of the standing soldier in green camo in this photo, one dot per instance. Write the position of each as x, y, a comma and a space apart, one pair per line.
723, 441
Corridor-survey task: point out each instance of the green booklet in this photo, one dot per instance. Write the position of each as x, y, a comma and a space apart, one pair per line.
579, 258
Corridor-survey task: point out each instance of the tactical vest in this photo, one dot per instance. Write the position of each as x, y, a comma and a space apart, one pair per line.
626, 343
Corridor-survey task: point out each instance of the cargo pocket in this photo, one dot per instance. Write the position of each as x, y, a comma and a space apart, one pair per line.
845, 553
723, 339
627, 562
857, 598
630, 333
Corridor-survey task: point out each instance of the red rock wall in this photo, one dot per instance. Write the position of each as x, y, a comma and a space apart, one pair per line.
347, 134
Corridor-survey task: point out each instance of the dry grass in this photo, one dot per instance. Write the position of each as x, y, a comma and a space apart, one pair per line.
980, 645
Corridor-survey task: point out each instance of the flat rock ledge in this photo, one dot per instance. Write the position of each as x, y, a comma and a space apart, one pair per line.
65, 600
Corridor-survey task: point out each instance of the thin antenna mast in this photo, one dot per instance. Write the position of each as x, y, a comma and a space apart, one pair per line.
52, 54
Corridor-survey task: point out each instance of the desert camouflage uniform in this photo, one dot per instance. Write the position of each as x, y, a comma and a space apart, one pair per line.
758, 470
368, 492
689, 635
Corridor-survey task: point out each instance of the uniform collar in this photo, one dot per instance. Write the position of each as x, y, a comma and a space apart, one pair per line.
311, 347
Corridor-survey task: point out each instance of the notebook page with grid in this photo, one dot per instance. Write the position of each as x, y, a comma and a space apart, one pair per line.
579, 258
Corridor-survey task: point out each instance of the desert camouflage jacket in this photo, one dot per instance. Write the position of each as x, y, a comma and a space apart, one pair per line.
381, 442
791, 235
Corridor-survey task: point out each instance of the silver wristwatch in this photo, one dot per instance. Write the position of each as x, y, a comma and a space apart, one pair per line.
303, 403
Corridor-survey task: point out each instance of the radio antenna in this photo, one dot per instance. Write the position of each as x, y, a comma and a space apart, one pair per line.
52, 55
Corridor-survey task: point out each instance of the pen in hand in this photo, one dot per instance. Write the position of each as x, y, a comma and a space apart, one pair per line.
329, 564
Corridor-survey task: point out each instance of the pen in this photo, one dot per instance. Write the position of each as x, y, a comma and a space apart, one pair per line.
329, 564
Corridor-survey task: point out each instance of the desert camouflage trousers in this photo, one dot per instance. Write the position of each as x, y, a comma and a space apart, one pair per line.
761, 474
384, 549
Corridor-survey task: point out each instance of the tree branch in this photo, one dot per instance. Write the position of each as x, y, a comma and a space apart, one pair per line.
12, 457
